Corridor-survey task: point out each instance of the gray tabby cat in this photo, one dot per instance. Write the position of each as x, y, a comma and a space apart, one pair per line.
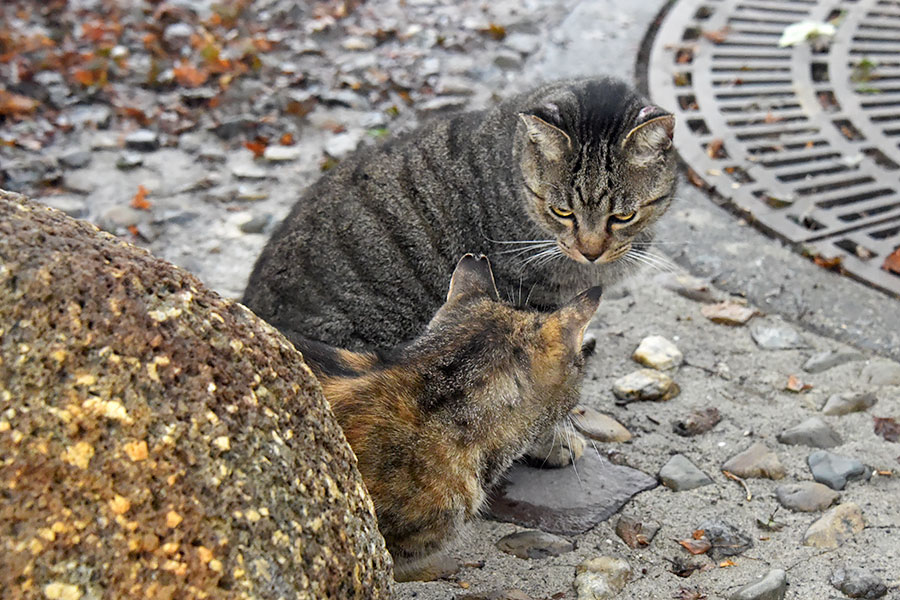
559, 187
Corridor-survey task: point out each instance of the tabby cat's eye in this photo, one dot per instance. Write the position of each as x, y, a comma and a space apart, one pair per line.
562, 213
623, 217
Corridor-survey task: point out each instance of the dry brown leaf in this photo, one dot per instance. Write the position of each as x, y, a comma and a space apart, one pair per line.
695, 179
257, 147
727, 563
892, 262
888, 428
189, 75
286, 139
795, 385
695, 546
717, 36
140, 201
497, 32
16, 104
716, 149
832, 264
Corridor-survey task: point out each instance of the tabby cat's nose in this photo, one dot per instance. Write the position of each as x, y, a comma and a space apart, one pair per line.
591, 256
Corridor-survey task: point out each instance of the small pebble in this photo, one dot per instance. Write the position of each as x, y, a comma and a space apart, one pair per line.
776, 337
835, 470
657, 352
881, 372
726, 539
601, 578
770, 587
835, 527
844, 404
756, 461
129, 160
728, 313
282, 153
680, 474
256, 224
598, 426
534, 544
645, 384
806, 496
143, 140
76, 159
858, 583
812, 432
699, 421
823, 361
249, 172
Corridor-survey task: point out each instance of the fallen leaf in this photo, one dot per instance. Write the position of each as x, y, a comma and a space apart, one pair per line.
684, 56
695, 179
696, 546
717, 36
683, 568
133, 230
189, 75
795, 385
497, 32
716, 149
16, 104
257, 147
631, 532
727, 563
287, 139
140, 201
892, 262
832, 264
698, 533
888, 428
771, 118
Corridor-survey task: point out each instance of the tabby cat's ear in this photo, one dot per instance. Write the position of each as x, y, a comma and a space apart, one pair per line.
574, 316
472, 278
651, 135
553, 142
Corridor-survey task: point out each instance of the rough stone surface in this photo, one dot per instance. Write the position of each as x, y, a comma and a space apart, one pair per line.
821, 362
645, 384
534, 544
844, 404
756, 461
657, 352
699, 421
143, 411
835, 470
725, 538
881, 372
858, 583
835, 527
598, 426
771, 587
680, 474
601, 578
728, 313
566, 501
806, 496
812, 432
779, 336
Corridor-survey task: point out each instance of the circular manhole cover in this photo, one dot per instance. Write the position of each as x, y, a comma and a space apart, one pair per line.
803, 139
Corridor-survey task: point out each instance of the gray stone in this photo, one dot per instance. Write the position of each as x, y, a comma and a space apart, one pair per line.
812, 432
89, 114
645, 384
249, 172
698, 422
178, 34
76, 159
129, 160
73, 206
30, 172
806, 496
858, 583
835, 470
234, 126
562, 501
212, 154
601, 578
881, 372
843, 404
776, 336
771, 587
680, 474
657, 352
507, 60
120, 217
726, 539
755, 461
430, 568
598, 426
144, 460
282, 153
257, 224
835, 527
818, 363
143, 140
534, 544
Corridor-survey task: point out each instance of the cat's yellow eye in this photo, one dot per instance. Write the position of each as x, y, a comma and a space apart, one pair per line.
562, 213
623, 217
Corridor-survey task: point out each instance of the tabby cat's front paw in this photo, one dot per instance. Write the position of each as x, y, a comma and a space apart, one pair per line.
558, 447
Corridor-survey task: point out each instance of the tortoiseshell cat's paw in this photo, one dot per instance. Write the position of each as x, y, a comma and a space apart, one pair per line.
558, 447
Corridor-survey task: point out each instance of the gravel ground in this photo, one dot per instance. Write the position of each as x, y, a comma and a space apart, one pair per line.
324, 77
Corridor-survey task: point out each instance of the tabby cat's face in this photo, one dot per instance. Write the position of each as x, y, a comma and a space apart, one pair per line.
596, 186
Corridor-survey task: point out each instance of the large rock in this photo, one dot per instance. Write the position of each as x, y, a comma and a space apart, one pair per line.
158, 441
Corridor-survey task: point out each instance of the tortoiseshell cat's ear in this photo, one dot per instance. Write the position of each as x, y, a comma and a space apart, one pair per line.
553, 142
574, 316
650, 136
472, 278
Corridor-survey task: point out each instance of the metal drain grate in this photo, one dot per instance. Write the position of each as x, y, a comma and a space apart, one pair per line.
806, 140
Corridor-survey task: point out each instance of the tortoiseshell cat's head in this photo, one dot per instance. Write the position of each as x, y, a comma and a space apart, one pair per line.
597, 167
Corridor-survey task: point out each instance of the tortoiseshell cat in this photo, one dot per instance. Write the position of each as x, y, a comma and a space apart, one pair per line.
559, 187
435, 423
